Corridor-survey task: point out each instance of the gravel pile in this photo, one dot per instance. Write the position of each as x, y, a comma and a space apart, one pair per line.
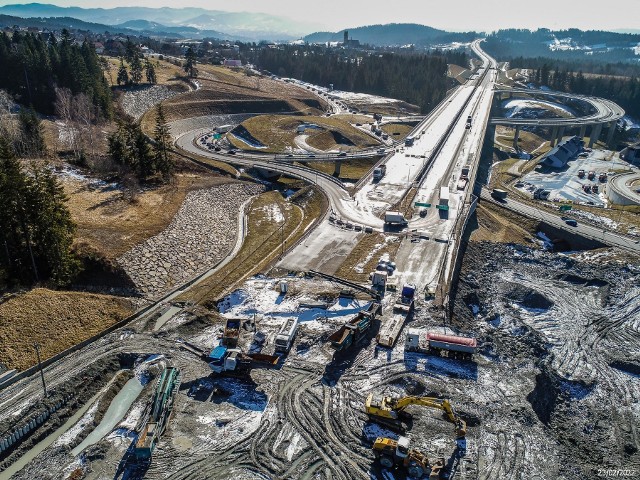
201, 234
136, 102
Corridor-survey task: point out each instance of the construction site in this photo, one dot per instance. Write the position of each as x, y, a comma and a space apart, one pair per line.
336, 313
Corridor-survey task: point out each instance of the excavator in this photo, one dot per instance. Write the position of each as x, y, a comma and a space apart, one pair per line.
389, 410
396, 453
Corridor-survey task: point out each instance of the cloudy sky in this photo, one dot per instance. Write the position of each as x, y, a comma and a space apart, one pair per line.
455, 15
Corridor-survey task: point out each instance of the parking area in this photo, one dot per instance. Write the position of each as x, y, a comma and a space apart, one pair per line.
567, 185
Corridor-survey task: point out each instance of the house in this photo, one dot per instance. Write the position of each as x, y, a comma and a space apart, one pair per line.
99, 47
563, 152
631, 154
232, 63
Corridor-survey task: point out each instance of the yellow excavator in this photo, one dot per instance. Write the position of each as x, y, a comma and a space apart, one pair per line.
396, 453
389, 410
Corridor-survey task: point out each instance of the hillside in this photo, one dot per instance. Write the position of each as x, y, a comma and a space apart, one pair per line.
393, 34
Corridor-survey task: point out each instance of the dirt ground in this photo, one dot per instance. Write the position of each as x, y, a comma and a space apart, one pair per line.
112, 220
56, 320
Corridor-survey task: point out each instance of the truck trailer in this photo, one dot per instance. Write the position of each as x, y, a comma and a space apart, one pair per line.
286, 335
451, 346
444, 196
379, 172
394, 218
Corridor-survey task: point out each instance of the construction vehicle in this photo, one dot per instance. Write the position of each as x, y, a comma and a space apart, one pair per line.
286, 335
157, 414
232, 361
602, 177
354, 330
581, 173
591, 175
390, 410
499, 194
397, 454
451, 346
405, 300
231, 333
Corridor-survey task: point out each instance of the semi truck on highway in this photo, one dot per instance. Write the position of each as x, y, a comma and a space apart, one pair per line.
444, 196
224, 128
379, 172
408, 142
286, 335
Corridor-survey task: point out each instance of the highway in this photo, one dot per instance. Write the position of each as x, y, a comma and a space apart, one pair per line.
584, 229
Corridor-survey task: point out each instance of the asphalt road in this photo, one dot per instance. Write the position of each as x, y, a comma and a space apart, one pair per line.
595, 233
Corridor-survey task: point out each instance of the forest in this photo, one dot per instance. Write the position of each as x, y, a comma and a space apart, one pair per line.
33, 66
413, 78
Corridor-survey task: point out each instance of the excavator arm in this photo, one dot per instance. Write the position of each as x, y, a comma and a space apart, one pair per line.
390, 407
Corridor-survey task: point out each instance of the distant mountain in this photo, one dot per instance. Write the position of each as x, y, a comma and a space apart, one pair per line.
58, 23
393, 34
254, 26
145, 27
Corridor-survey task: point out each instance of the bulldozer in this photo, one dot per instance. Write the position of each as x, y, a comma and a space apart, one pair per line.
390, 410
397, 454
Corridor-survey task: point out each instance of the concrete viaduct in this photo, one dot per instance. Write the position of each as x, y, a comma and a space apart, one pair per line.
604, 114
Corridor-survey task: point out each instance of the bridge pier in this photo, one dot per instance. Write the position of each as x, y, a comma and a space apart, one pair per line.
610, 134
560, 134
554, 136
515, 138
338, 167
596, 130
583, 131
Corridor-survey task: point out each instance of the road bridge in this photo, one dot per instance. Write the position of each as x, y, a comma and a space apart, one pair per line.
605, 114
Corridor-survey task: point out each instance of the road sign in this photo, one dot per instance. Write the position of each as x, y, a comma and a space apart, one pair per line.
564, 208
418, 204
442, 207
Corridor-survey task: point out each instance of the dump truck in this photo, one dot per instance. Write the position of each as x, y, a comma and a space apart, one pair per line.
231, 333
286, 335
379, 172
394, 218
397, 454
390, 410
451, 346
404, 303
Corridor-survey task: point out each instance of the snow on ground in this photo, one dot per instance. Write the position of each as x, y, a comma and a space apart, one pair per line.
71, 173
70, 435
518, 107
596, 219
261, 298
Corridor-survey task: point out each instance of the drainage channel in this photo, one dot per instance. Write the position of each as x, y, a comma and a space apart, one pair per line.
116, 411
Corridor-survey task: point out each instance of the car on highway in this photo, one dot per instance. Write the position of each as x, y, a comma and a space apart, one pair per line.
569, 221
342, 154
231, 152
423, 212
311, 156
583, 154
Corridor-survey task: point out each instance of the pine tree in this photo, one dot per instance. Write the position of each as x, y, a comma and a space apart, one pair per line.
136, 69
31, 141
151, 72
190, 64
162, 144
123, 75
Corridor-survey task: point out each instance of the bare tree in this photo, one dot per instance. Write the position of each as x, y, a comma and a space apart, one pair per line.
9, 127
80, 118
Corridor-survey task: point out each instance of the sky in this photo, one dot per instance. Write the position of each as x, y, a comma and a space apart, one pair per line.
452, 15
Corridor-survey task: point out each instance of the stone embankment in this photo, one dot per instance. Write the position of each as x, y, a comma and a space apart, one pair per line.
202, 233
137, 101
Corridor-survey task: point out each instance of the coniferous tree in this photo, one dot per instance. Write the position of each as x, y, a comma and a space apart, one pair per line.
150, 72
191, 62
162, 144
31, 139
123, 75
136, 70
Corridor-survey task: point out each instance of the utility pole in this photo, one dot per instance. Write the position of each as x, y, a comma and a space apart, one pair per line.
282, 240
44, 385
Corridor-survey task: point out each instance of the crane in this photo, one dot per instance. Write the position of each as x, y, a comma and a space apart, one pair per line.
389, 409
